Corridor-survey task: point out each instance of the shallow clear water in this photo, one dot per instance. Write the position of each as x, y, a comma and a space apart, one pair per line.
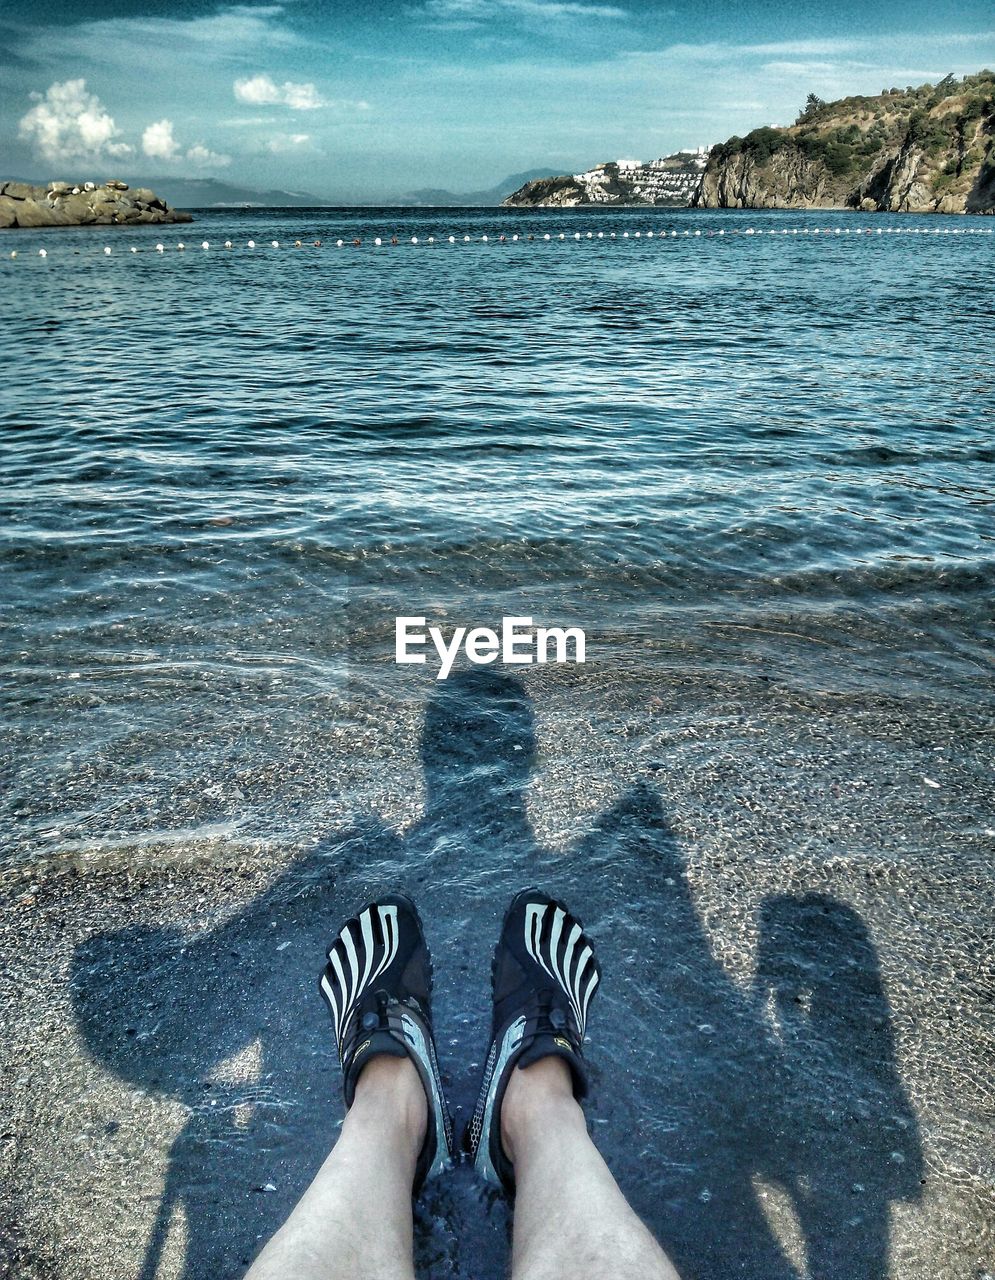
758, 469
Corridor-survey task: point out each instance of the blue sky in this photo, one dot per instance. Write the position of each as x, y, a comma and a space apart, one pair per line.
357, 101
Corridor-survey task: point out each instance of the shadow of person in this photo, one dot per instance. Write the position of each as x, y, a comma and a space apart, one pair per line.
833, 1085
705, 1088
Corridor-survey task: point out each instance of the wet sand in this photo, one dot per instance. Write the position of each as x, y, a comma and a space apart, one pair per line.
791, 1059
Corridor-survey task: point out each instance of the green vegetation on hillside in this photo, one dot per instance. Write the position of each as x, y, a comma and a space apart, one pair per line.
950, 124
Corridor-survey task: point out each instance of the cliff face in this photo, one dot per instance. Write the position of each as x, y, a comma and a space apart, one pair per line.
60, 205
925, 150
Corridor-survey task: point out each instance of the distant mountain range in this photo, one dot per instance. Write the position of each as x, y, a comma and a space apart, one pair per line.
208, 193
439, 196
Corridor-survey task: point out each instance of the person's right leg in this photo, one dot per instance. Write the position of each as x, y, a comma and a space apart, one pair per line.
355, 1218
571, 1220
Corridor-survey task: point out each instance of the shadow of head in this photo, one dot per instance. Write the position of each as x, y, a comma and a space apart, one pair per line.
819, 977
817, 961
478, 742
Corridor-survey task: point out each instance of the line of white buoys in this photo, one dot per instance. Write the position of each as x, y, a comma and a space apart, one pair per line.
577, 236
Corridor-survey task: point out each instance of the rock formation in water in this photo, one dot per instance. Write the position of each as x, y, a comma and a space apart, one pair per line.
58, 204
925, 150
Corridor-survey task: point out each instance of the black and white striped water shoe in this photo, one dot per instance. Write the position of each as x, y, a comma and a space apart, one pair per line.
544, 975
378, 987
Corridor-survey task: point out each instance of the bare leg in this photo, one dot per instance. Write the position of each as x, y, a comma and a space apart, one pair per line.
571, 1220
355, 1218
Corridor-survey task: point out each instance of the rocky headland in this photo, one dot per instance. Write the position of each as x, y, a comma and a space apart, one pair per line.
670, 182
62, 204
929, 149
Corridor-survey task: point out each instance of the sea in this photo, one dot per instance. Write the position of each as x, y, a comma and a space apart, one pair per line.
751, 455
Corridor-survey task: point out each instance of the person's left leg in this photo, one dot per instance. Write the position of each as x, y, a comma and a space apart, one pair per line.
355, 1218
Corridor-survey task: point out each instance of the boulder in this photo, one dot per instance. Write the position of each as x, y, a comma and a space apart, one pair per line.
32, 214
58, 188
8, 216
77, 208
116, 184
18, 190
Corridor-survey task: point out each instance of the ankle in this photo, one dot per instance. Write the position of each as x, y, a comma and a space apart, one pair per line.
537, 1098
390, 1090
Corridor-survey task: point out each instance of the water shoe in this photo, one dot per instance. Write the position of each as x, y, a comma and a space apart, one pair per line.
544, 976
378, 988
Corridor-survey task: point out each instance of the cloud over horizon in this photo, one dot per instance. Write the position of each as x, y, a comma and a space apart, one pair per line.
68, 123
262, 90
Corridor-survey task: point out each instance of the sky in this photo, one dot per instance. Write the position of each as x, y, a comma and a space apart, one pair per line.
363, 101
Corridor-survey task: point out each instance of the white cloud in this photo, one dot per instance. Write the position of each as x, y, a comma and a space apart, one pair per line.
285, 142
205, 158
262, 90
158, 141
472, 13
68, 123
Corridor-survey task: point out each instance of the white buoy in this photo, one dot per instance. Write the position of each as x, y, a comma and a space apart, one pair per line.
546, 236
431, 239
134, 249
339, 243
576, 235
13, 253
562, 236
515, 237
42, 253
466, 239
601, 235
452, 239
589, 235
697, 233
275, 244
484, 238
721, 233
160, 248
227, 244
181, 245
107, 250
204, 244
